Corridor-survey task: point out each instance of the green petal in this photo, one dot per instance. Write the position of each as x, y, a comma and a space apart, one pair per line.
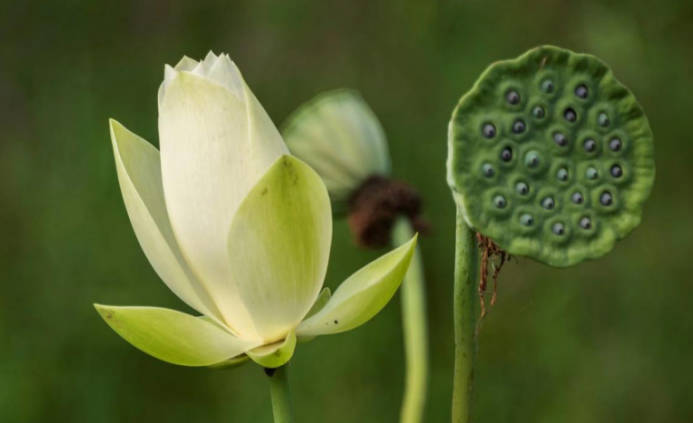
276, 354
340, 137
216, 143
172, 336
322, 300
139, 175
279, 245
362, 295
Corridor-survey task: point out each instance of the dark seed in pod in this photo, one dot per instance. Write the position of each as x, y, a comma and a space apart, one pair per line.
577, 197
532, 159
606, 198
547, 86
488, 170
522, 188
488, 130
591, 173
585, 222
506, 154
519, 126
616, 171
562, 174
499, 201
548, 203
527, 219
615, 144
570, 114
560, 139
558, 228
590, 145
581, 91
603, 120
538, 112
512, 97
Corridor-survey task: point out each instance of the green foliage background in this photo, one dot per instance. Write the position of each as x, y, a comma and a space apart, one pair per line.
605, 341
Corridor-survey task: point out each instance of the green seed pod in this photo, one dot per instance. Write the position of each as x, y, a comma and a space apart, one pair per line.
551, 156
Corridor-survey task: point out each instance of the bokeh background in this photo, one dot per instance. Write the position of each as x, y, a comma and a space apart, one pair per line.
605, 341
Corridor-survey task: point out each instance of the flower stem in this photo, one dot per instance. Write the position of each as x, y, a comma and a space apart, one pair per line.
465, 299
281, 398
415, 330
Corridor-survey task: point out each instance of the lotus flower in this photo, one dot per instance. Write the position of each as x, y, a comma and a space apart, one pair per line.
236, 227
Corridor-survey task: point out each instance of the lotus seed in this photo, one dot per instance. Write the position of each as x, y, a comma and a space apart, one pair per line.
527, 219
488, 170
570, 114
562, 174
522, 188
507, 154
591, 173
606, 198
512, 97
532, 159
547, 86
585, 222
489, 130
499, 201
581, 91
590, 145
615, 144
519, 126
558, 228
538, 112
616, 171
603, 120
577, 197
548, 203
560, 139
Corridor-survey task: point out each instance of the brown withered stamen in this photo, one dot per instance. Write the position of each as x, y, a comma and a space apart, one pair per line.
490, 253
375, 205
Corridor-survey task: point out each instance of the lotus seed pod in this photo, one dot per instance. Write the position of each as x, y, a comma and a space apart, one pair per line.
551, 156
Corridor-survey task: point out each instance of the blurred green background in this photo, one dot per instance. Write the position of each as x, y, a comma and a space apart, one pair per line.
606, 341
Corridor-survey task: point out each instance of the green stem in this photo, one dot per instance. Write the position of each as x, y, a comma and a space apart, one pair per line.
281, 398
465, 298
415, 330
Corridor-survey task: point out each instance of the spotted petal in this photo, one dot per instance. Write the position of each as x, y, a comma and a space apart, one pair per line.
362, 295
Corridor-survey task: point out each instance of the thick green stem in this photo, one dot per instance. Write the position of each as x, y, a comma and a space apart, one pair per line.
465, 296
415, 330
281, 398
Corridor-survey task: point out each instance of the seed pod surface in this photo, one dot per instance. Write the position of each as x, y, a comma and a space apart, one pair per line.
551, 156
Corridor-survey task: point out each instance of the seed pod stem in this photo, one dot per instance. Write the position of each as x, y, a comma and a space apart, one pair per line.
465, 299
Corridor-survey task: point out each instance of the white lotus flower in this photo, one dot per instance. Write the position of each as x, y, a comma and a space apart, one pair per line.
235, 227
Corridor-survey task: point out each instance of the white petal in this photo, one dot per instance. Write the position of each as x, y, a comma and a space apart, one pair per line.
139, 175
279, 246
214, 148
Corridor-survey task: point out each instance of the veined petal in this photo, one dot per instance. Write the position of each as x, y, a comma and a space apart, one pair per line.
362, 295
279, 246
139, 176
215, 145
340, 137
173, 336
